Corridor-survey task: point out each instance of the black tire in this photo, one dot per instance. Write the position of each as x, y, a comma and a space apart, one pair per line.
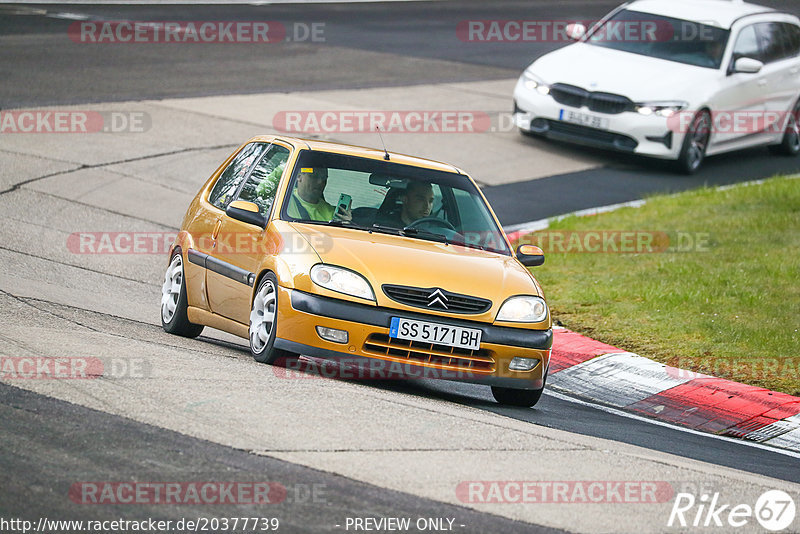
518, 397
177, 323
695, 143
790, 144
265, 303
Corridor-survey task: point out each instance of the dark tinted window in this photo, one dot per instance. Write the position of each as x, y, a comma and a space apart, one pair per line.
771, 35
791, 34
662, 37
231, 178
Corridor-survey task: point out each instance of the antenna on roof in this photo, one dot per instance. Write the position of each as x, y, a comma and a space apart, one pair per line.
385, 152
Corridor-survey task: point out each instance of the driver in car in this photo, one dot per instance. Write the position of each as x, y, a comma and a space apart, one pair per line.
416, 203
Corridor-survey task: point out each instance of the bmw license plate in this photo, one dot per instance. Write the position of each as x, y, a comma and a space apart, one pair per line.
441, 334
584, 119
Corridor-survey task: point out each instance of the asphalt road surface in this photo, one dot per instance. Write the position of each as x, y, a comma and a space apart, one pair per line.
203, 410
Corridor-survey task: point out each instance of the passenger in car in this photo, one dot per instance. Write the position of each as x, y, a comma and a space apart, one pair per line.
307, 200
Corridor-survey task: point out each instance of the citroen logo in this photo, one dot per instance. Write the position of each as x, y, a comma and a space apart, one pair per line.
437, 297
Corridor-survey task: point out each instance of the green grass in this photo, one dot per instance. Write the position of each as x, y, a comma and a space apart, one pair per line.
729, 307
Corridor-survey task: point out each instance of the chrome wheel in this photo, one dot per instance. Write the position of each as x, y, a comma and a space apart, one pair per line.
262, 316
171, 290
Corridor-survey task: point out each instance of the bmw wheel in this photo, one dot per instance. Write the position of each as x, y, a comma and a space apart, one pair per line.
790, 144
174, 301
695, 143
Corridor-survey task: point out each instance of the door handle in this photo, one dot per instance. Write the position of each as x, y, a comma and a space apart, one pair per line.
216, 229
762, 83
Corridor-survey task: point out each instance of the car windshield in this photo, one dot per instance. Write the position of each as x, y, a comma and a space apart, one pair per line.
387, 197
684, 41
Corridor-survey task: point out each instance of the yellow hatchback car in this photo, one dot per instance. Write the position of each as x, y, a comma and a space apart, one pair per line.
360, 255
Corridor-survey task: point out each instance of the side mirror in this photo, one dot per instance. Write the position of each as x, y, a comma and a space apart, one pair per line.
247, 212
575, 30
530, 256
747, 65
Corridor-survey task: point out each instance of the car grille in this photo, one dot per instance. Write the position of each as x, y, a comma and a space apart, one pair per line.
586, 135
576, 97
434, 298
429, 354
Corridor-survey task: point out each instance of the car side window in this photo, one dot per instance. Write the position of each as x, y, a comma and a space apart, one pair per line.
771, 41
231, 178
747, 44
262, 184
791, 33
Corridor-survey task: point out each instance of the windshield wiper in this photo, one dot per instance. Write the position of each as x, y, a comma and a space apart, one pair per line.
470, 245
410, 231
342, 222
386, 229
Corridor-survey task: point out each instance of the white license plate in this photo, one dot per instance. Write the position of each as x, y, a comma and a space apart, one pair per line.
441, 334
584, 119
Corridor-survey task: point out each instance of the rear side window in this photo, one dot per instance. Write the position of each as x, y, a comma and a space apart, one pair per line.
228, 183
772, 41
262, 184
791, 34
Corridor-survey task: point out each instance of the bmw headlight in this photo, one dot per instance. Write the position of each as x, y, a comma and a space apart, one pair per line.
342, 281
662, 109
523, 309
534, 83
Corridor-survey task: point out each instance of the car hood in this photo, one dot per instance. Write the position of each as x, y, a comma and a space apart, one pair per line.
638, 77
390, 259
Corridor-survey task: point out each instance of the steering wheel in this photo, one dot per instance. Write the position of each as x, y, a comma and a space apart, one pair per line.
434, 221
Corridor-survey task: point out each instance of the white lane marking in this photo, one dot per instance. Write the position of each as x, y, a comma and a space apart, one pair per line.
789, 439
621, 413
68, 16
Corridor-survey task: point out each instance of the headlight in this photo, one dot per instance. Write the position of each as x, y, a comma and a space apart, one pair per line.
342, 281
533, 82
523, 309
662, 109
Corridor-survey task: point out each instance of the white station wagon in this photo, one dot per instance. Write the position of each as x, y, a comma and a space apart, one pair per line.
670, 79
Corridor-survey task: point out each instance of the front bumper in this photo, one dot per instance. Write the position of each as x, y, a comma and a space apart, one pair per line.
299, 314
625, 132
